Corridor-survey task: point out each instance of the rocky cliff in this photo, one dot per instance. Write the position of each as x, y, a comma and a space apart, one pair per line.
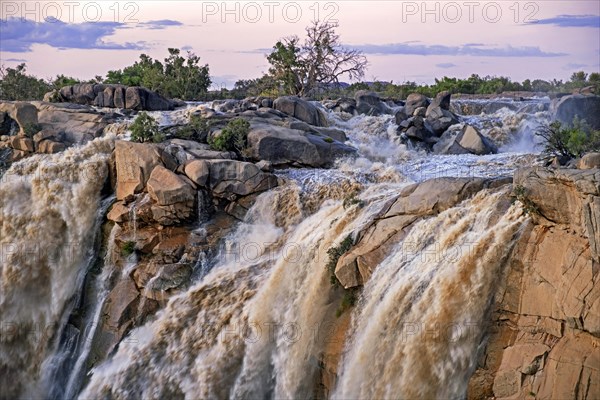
544, 333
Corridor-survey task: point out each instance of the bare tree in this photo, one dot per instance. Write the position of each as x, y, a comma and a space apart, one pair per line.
320, 61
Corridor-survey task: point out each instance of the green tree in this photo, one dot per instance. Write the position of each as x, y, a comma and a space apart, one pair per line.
321, 60
145, 129
234, 137
572, 140
16, 84
179, 77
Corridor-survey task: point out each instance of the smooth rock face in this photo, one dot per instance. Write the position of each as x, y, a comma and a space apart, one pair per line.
584, 107
369, 103
301, 109
282, 145
589, 161
25, 114
394, 220
546, 315
470, 141
174, 197
198, 172
134, 164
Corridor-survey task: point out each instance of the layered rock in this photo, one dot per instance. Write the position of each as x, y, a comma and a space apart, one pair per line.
394, 220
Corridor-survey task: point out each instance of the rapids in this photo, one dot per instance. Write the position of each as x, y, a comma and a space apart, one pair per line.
256, 320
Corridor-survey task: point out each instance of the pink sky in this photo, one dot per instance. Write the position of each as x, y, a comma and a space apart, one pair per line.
402, 42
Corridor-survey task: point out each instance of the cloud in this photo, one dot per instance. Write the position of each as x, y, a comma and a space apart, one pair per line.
18, 36
572, 66
446, 65
161, 24
470, 49
570, 21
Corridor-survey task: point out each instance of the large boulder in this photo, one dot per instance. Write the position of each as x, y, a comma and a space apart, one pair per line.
23, 113
414, 101
438, 119
469, 140
134, 164
395, 218
118, 96
229, 177
282, 145
584, 107
369, 103
301, 109
78, 123
173, 195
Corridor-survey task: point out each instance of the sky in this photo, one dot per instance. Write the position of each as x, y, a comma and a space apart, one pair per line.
403, 40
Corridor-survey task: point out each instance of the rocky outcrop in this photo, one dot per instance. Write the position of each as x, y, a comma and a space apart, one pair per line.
369, 103
469, 140
281, 145
113, 96
134, 162
174, 196
27, 128
24, 114
300, 109
422, 122
78, 124
545, 327
584, 107
394, 220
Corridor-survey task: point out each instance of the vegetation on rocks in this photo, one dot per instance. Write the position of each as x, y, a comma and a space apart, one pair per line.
128, 248
520, 194
569, 140
178, 77
334, 254
145, 129
234, 137
195, 129
302, 68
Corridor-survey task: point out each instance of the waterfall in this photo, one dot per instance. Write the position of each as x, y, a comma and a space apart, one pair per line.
47, 223
247, 329
421, 316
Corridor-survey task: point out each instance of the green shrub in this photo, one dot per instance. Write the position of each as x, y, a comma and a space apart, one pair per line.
351, 200
234, 137
520, 194
145, 129
348, 301
328, 140
334, 254
128, 248
31, 129
196, 129
570, 141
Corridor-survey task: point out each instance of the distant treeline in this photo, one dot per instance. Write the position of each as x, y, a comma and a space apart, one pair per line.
475, 84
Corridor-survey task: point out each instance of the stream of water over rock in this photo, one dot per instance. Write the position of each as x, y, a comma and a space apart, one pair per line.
255, 324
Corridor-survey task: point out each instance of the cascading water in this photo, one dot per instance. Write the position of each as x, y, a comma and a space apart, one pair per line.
48, 219
421, 316
251, 324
